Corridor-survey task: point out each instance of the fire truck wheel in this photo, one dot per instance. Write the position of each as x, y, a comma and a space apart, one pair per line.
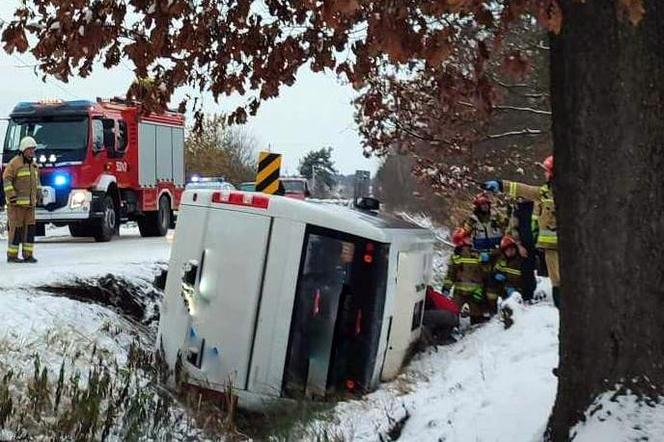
156, 223
106, 226
80, 230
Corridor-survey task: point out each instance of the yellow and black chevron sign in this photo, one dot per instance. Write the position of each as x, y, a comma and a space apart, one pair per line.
267, 177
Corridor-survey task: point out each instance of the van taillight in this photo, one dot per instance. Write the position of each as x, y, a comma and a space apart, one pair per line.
241, 199
368, 255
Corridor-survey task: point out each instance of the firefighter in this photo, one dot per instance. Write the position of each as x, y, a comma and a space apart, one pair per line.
547, 238
506, 272
466, 274
22, 189
485, 227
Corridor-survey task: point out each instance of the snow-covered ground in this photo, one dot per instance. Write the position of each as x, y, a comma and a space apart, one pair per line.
64, 313
494, 384
621, 416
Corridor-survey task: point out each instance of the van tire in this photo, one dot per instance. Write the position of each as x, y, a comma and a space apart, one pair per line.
156, 223
105, 227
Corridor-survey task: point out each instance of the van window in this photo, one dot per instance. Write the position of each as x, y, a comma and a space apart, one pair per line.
337, 314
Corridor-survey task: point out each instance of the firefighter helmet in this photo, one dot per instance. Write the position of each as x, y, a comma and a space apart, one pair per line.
481, 199
507, 242
548, 166
460, 237
27, 143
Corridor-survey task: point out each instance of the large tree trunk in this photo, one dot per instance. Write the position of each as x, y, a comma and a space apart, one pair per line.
608, 121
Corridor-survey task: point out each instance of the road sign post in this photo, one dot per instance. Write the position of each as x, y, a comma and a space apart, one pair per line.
269, 170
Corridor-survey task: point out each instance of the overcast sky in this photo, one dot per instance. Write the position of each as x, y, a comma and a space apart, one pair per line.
314, 113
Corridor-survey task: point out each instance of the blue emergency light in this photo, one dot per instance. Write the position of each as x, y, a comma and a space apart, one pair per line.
60, 180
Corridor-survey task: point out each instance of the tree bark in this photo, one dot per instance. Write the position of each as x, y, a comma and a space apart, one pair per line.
607, 90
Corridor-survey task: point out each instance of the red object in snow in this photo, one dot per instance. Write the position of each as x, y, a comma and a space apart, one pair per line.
441, 302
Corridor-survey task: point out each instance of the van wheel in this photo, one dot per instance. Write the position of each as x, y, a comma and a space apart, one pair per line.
156, 223
106, 227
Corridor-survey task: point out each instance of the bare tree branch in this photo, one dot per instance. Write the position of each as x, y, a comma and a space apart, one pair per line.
523, 109
510, 108
516, 133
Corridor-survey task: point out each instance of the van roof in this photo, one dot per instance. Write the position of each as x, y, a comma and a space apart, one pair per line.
376, 226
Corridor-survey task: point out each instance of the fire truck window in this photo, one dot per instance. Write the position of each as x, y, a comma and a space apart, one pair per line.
122, 136
109, 134
50, 133
98, 135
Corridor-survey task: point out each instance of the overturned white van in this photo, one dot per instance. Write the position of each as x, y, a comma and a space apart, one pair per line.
287, 298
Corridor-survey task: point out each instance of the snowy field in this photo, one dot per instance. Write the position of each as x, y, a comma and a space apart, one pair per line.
492, 385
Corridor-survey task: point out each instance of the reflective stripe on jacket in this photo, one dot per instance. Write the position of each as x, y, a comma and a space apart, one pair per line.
465, 272
21, 182
510, 268
486, 234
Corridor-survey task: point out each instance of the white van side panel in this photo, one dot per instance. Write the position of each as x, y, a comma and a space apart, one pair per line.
235, 248
174, 320
274, 318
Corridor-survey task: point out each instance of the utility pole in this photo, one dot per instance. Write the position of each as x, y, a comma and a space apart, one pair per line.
361, 185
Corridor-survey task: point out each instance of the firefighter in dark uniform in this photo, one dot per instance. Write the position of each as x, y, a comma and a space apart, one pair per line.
486, 227
22, 191
466, 274
506, 274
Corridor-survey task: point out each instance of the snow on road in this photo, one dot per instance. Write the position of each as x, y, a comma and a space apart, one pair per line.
62, 257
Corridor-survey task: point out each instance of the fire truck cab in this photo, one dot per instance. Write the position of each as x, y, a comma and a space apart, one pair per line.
282, 298
102, 163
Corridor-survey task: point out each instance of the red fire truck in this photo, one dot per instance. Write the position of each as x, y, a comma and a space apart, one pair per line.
102, 163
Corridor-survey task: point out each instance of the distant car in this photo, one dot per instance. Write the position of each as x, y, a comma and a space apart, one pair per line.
249, 186
297, 188
209, 183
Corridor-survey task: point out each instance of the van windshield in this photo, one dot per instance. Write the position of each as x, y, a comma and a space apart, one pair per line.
294, 186
337, 316
50, 133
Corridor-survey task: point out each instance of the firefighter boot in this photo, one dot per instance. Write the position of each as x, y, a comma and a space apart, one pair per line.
14, 243
29, 244
556, 297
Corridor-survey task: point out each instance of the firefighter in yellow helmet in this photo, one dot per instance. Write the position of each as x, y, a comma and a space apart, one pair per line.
22, 192
548, 236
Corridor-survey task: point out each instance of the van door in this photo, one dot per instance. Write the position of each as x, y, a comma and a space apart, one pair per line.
232, 264
183, 270
408, 310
